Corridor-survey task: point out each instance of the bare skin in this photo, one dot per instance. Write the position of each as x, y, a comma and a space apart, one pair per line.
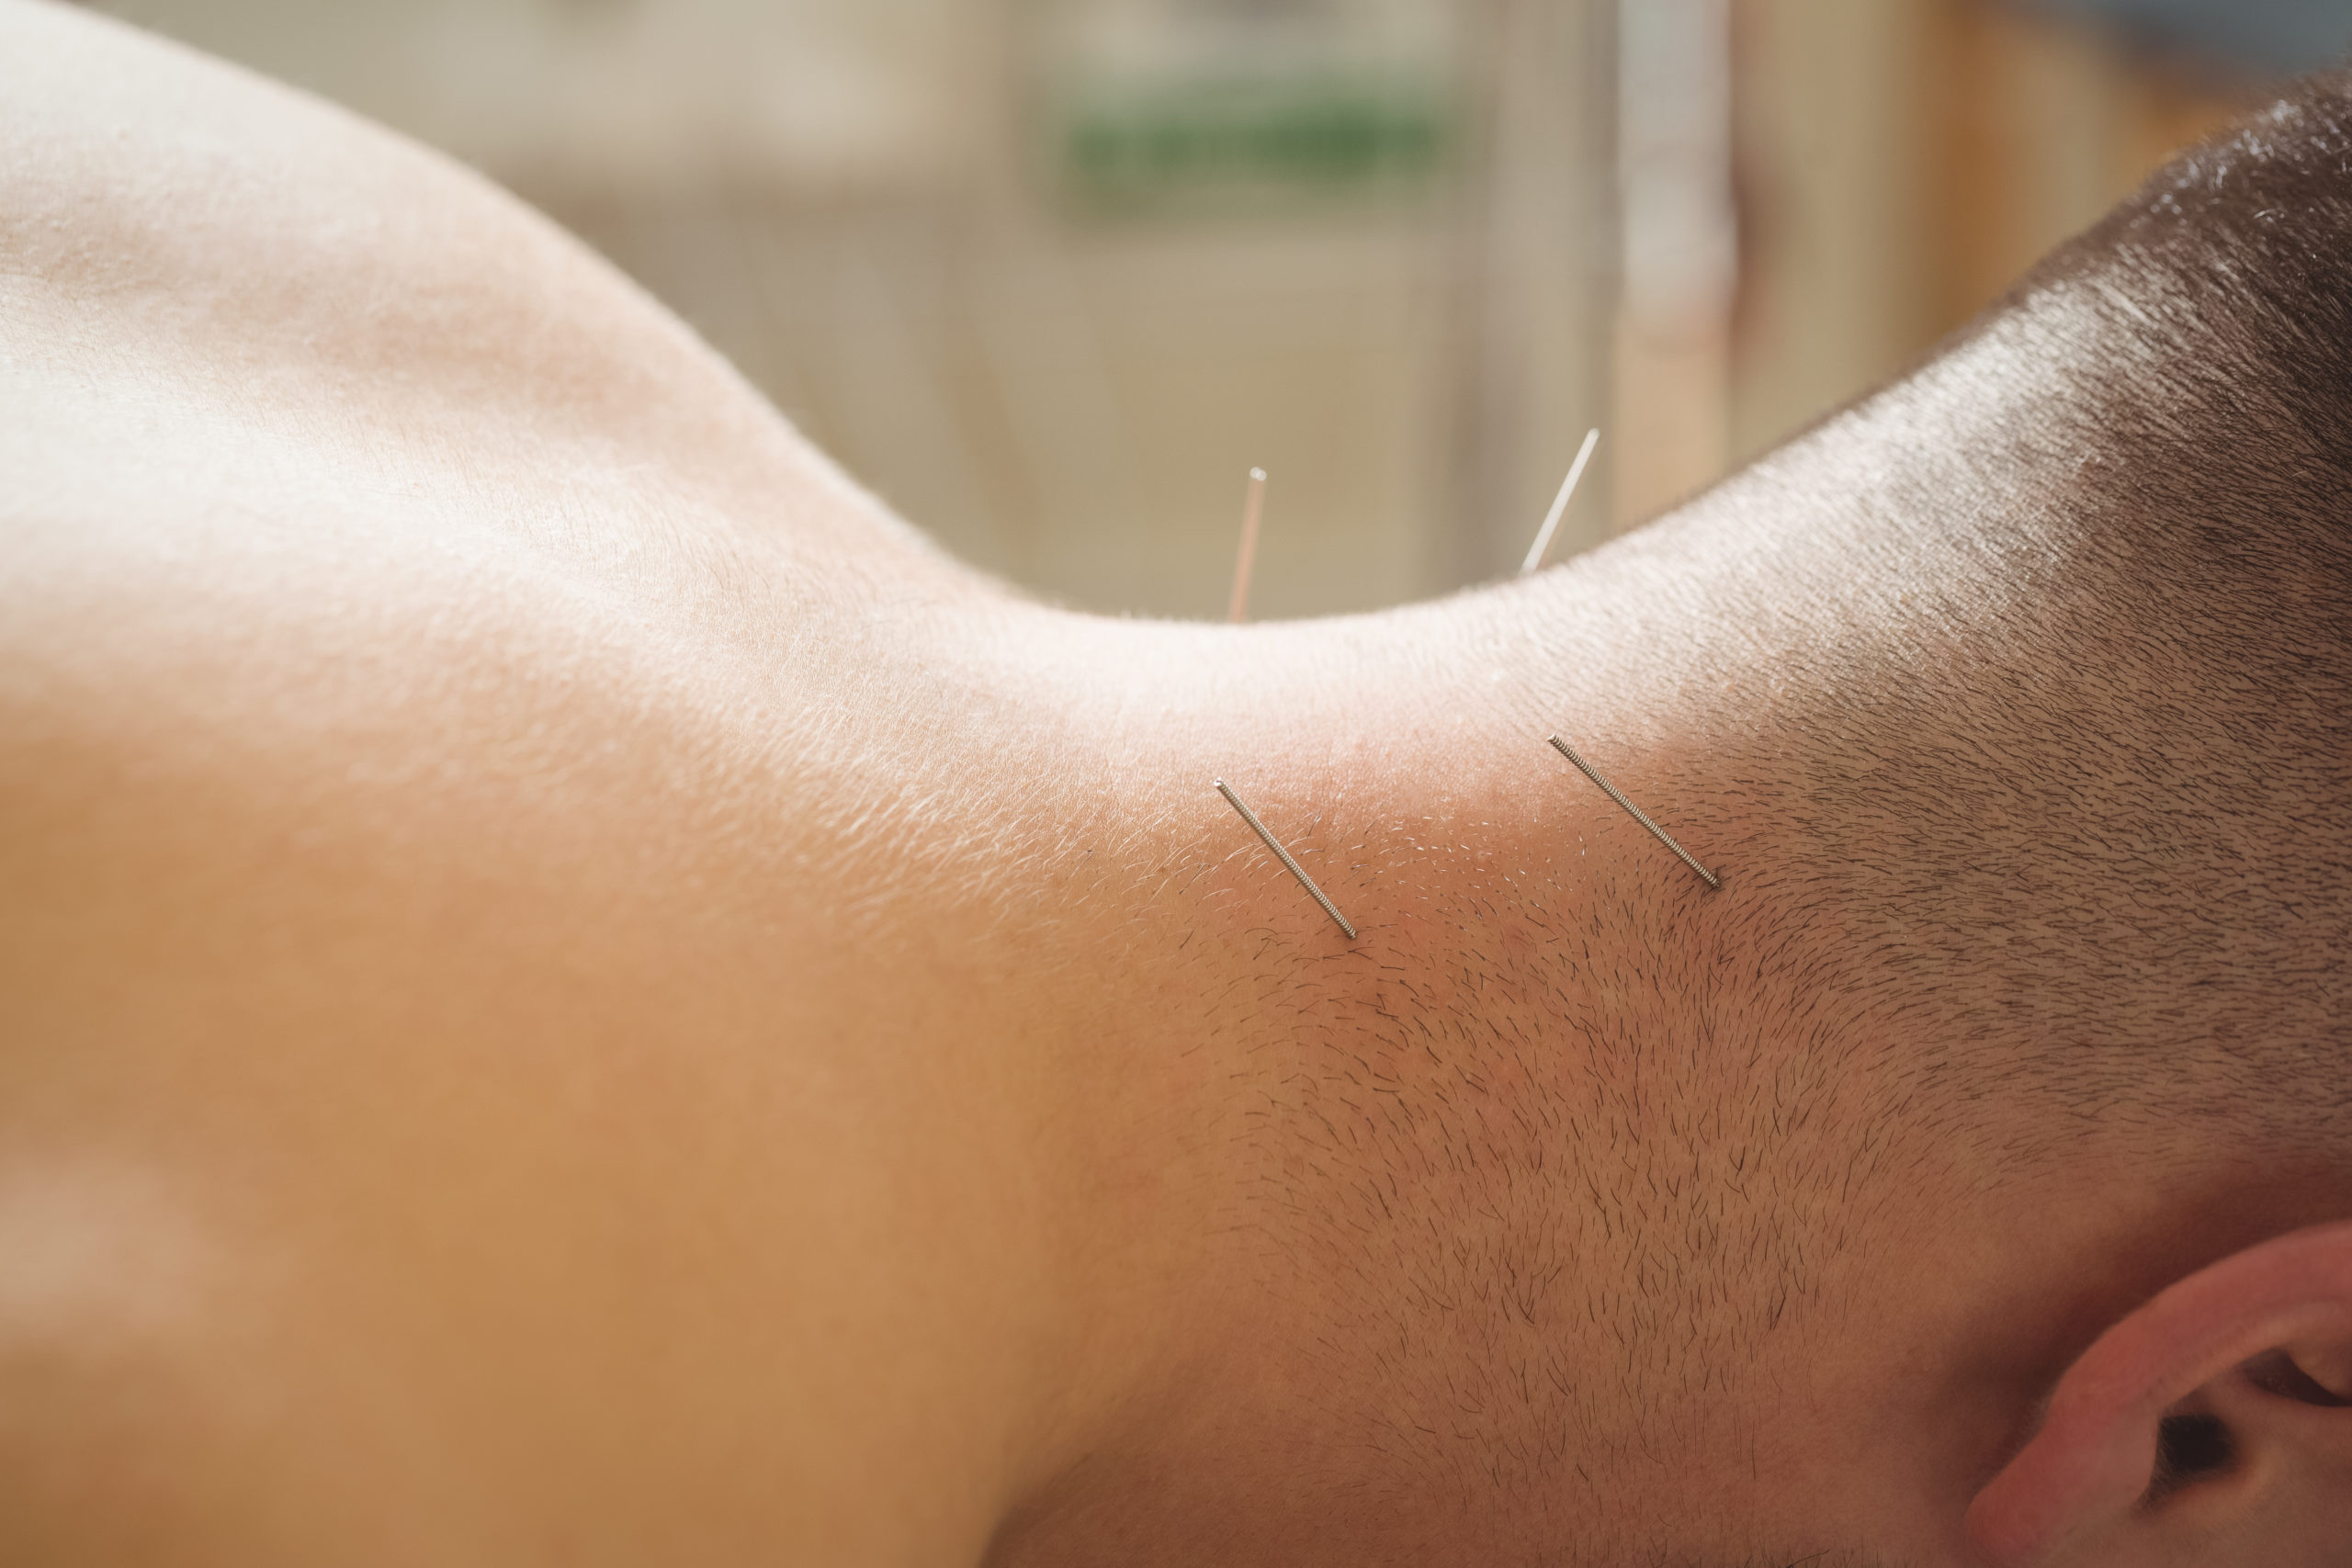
577, 994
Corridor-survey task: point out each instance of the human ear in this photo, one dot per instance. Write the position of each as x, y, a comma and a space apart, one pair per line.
2211, 1426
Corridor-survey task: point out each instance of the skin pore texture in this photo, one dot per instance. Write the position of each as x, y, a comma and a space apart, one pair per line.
577, 993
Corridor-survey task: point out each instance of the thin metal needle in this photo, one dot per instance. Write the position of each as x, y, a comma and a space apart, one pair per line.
1284, 855
1239, 609
1639, 815
1559, 504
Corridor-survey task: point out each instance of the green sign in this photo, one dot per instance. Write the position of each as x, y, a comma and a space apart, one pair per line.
1209, 141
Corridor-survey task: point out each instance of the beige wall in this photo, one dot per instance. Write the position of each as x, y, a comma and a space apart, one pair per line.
1902, 162
1839, 191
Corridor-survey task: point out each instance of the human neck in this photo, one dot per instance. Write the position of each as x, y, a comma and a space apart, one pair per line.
1208, 1070
1226, 1054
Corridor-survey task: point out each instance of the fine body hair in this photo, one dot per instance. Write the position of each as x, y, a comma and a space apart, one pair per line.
2029, 779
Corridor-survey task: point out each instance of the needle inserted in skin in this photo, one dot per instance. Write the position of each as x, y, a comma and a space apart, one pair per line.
1284, 855
1559, 504
1663, 836
1239, 609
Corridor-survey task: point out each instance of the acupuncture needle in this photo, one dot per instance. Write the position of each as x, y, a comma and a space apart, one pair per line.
1239, 610
1639, 815
1543, 545
1284, 855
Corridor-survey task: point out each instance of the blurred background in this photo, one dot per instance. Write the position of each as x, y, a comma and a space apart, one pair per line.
1051, 275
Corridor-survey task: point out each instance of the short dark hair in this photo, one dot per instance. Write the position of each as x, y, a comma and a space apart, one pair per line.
2017, 727
2090, 816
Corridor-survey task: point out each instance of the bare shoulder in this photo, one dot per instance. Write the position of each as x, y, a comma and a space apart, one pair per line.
320, 446
327, 463
375, 562
271, 346
248, 246
405, 629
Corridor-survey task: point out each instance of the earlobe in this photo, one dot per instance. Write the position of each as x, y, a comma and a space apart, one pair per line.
2221, 1368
